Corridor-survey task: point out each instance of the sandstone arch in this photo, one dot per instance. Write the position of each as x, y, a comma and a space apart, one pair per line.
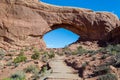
60, 37
24, 22
65, 26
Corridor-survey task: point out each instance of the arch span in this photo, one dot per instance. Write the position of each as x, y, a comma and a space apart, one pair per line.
65, 26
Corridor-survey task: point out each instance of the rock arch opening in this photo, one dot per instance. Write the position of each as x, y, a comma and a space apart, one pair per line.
59, 38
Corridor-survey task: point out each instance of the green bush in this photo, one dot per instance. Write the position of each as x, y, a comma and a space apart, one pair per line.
45, 57
36, 55
111, 49
74, 52
44, 69
9, 63
100, 70
92, 52
85, 64
27, 48
1, 65
42, 72
108, 76
31, 69
66, 50
93, 58
36, 76
2, 54
16, 65
19, 59
80, 51
22, 52
17, 76
51, 54
117, 60
59, 53
103, 56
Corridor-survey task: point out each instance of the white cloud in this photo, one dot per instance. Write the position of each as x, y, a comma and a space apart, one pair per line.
50, 45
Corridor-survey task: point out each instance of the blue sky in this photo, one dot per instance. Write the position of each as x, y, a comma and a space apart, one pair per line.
58, 38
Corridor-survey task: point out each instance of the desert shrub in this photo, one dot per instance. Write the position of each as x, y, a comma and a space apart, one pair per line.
9, 63
16, 65
103, 56
12, 51
111, 49
42, 72
2, 54
108, 76
91, 52
22, 52
20, 58
51, 54
31, 69
66, 48
100, 70
102, 50
8, 58
74, 52
117, 60
79, 51
36, 54
17, 76
93, 58
44, 69
85, 64
27, 48
117, 64
66, 51
60, 53
45, 57
1, 65
36, 76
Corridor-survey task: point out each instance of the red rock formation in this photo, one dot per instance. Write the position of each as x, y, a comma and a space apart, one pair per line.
24, 22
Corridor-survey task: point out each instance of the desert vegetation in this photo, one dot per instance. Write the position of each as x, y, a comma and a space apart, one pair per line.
32, 63
102, 64
19, 75
24, 64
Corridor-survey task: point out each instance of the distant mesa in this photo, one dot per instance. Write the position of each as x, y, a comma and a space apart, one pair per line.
24, 22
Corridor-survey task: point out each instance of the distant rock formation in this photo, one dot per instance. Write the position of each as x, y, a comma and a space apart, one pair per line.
24, 23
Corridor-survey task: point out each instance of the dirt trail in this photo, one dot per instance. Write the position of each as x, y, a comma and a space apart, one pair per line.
60, 71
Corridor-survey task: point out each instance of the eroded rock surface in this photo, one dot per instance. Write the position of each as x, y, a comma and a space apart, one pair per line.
24, 23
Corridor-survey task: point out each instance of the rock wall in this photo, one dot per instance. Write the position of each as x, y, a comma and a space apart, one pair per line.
24, 23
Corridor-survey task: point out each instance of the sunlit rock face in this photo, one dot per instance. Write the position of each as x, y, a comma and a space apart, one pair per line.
24, 23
